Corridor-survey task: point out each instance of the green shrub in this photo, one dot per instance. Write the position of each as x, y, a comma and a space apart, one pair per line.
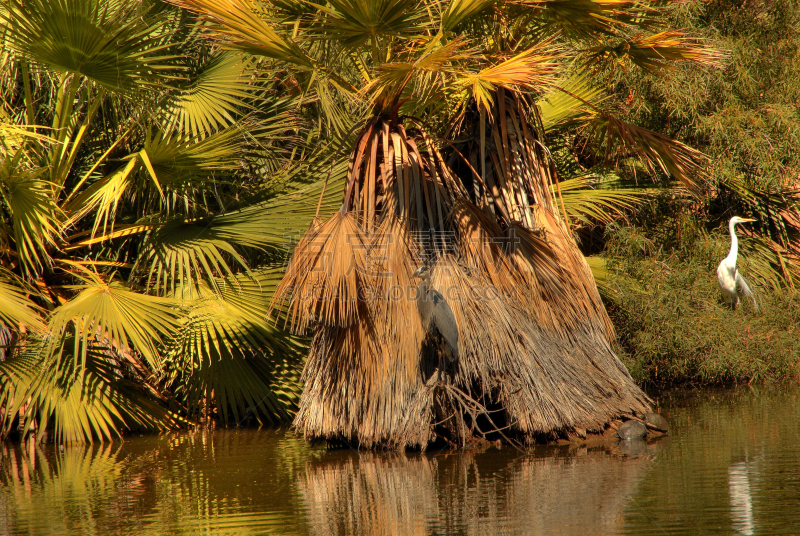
672, 324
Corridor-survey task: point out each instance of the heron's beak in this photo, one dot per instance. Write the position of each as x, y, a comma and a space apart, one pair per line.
746, 220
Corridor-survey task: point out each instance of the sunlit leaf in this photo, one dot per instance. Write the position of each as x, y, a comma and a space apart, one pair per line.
215, 96
111, 314
36, 216
658, 51
105, 43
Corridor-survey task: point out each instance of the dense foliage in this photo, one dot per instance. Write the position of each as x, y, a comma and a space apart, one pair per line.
145, 215
745, 116
155, 161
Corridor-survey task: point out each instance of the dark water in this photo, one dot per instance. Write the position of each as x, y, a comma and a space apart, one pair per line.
730, 466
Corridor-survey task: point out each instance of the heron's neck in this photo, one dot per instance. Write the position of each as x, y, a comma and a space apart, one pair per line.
734, 242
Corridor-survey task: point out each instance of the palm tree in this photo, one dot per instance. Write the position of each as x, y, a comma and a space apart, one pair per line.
450, 166
146, 185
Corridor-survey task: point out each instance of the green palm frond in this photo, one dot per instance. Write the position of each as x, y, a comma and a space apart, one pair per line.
590, 202
659, 51
104, 42
426, 72
214, 98
17, 310
228, 347
110, 314
34, 212
614, 139
267, 388
458, 11
568, 101
602, 277
770, 264
183, 253
168, 164
13, 135
358, 22
584, 19
97, 402
175, 164
244, 25
103, 197
776, 211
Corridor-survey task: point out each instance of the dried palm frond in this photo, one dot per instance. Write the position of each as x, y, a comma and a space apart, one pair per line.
397, 191
614, 139
534, 69
326, 274
659, 51
394, 256
394, 172
356, 390
512, 161
533, 333
556, 309
506, 353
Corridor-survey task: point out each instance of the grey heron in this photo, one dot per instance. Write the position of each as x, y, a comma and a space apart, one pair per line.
730, 280
434, 311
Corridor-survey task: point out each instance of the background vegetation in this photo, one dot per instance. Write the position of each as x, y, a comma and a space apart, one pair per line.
745, 117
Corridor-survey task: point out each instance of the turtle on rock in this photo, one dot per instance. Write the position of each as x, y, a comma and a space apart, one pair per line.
632, 429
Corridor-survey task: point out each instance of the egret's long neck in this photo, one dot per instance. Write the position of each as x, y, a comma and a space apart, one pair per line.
734, 242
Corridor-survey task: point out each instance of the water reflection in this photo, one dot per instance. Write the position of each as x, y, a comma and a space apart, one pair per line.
741, 499
701, 480
180, 484
553, 491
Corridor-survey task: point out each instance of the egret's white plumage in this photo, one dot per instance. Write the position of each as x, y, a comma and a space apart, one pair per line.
730, 280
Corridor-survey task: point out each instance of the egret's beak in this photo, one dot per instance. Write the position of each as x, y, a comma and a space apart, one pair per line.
746, 220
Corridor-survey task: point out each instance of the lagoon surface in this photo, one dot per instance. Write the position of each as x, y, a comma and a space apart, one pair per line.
731, 465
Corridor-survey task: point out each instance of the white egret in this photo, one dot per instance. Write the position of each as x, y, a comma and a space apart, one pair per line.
730, 280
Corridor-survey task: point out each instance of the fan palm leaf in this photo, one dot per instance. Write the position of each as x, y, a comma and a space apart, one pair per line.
17, 311
96, 403
215, 97
613, 139
590, 205
104, 43
584, 19
229, 352
568, 101
535, 69
36, 217
109, 313
659, 51
358, 22
458, 11
181, 253
244, 25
